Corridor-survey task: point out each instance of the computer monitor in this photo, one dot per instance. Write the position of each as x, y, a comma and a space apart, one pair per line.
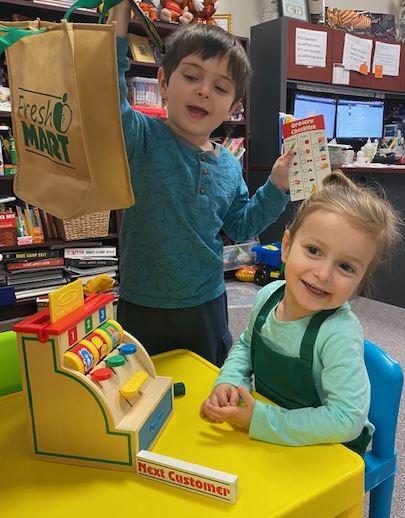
359, 119
306, 105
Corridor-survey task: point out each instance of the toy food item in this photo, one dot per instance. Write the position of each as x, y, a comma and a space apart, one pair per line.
150, 9
101, 282
203, 10
175, 11
246, 274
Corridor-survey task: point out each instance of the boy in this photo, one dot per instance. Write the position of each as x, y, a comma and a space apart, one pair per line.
172, 292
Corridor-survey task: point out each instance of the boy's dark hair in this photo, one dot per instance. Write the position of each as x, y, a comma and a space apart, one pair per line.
208, 41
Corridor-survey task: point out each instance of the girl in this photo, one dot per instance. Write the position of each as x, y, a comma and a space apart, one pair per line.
303, 343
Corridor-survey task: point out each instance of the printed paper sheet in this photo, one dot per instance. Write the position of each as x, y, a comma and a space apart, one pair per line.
311, 162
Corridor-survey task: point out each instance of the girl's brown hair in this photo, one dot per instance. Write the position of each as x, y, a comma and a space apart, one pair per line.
362, 207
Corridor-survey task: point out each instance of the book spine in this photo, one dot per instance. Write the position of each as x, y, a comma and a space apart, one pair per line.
90, 262
38, 224
28, 221
54, 228
45, 224
30, 255
41, 263
108, 251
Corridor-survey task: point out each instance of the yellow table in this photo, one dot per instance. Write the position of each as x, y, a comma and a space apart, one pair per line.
274, 481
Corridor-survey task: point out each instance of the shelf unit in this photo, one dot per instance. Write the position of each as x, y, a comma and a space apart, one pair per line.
276, 77
277, 74
31, 10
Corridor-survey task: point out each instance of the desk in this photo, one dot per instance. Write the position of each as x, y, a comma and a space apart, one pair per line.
274, 481
374, 169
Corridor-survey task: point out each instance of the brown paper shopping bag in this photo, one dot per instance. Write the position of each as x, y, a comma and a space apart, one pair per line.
66, 118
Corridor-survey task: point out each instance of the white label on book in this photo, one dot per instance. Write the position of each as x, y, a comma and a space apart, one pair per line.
101, 251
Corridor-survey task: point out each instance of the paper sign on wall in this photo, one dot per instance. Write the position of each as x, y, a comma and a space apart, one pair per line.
340, 76
357, 54
387, 55
311, 162
310, 47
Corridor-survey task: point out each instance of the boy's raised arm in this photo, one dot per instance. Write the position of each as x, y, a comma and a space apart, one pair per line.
120, 14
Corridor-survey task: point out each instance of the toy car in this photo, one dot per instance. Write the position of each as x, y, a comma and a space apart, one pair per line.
268, 259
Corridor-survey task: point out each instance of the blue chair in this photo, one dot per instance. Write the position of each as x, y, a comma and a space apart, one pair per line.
386, 380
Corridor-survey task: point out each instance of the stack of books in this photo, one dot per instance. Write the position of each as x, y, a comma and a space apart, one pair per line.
34, 272
86, 262
3, 277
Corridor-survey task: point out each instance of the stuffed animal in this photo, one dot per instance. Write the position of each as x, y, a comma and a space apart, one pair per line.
150, 8
203, 10
175, 11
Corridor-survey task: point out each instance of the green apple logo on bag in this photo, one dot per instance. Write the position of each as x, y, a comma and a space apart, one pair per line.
45, 120
62, 115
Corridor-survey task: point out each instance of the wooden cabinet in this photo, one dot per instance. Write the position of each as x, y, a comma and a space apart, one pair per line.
276, 76
334, 54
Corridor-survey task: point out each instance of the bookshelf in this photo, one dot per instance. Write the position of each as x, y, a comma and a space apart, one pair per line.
26, 304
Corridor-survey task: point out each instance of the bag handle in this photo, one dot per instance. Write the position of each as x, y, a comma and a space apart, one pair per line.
92, 4
14, 34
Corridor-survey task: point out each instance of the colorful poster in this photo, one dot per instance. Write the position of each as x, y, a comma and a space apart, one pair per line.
311, 162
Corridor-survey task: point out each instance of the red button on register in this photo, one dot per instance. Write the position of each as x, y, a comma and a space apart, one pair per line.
101, 374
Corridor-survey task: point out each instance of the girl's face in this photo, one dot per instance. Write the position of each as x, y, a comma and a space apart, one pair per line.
324, 264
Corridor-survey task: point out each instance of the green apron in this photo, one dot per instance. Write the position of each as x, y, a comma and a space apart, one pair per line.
289, 381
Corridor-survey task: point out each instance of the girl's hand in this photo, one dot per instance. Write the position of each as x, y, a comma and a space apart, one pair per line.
222, 395
279, 172
239, 416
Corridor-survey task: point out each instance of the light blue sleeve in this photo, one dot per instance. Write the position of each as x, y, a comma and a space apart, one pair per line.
345, 398
246, 218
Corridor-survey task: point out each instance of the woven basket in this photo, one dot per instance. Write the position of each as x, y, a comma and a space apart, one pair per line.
91, 225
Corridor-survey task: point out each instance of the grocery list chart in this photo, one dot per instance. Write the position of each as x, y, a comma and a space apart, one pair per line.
311, 163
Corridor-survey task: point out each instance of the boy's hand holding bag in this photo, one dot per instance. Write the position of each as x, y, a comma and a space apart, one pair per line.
66, 115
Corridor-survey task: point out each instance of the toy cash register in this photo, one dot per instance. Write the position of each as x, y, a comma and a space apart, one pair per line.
92, 393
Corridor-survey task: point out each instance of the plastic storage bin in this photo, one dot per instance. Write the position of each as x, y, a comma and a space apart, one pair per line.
236, 256
146, 91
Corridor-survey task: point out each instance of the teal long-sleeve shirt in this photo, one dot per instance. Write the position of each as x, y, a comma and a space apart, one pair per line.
339, 373
171, 249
